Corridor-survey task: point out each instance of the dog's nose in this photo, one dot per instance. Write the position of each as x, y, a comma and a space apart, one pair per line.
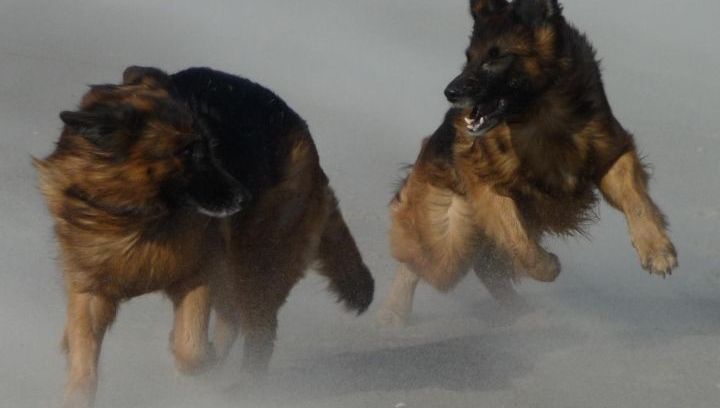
453, 93
458, 89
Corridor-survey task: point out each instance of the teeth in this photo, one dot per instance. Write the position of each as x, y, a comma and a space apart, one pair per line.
475, 125
468, 120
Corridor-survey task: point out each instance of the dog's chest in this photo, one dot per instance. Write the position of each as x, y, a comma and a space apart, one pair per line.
549, 178
132, 262
515, 161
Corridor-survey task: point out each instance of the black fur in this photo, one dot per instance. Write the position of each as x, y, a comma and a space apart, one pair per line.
249, 121
536, 12
491, 73
210, 187
568, 80
486, 7
440, 145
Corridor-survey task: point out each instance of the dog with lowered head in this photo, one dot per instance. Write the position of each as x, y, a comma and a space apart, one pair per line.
291, 221
154, 187
134, 193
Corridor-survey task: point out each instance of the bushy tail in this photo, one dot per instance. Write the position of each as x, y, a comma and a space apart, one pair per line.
342, 264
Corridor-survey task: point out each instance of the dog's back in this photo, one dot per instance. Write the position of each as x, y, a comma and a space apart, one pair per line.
250, 126
291, 221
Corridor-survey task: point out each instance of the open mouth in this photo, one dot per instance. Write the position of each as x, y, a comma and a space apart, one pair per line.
485, 116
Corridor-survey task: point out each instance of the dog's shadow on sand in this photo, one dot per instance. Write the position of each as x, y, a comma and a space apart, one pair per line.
476, 363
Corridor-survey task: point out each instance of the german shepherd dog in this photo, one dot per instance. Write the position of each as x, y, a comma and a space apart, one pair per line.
529, 139
143, 202
291, 221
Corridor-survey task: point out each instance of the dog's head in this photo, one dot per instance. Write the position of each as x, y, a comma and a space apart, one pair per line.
146, 150
512, 58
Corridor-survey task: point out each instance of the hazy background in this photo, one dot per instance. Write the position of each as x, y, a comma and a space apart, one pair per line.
368, 77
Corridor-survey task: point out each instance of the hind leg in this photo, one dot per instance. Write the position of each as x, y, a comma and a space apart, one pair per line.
259, 300
341, 263
88, 318
496, 274
398, 304
501, 221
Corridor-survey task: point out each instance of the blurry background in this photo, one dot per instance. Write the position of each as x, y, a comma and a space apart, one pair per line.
368, 77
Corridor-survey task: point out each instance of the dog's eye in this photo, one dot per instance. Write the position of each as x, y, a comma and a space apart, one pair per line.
496, 59
493, 53
186, 151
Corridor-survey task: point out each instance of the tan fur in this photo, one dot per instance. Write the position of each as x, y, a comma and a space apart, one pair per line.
398, 303
118, 242
106, 253
545, 142
545, 40
435, 238
491, 203
625, 188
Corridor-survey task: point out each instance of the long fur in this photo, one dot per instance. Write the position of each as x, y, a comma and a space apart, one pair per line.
474, 197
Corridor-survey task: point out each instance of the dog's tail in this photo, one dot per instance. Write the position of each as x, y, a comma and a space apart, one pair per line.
341, 262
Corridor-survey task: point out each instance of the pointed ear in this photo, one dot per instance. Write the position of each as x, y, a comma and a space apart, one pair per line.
80, 120
39, 164
483, 8
536, 12
111, 128
136, 75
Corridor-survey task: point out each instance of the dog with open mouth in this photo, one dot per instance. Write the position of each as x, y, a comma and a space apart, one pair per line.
529, 140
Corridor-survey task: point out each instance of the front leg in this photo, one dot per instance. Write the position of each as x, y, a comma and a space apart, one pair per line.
501, 221
88, 317
189, 338
625, 188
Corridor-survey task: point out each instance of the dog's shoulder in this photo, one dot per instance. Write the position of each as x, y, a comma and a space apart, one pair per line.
234, 100
250, 126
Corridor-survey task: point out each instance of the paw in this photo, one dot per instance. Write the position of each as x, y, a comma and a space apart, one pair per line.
544, 268
78, 400
195, 362
248, 387
659, 259
392, 319
514, 304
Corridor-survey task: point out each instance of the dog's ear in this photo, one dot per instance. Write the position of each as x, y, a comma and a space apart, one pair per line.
110, 128
536, 12
483, 8
136, 75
